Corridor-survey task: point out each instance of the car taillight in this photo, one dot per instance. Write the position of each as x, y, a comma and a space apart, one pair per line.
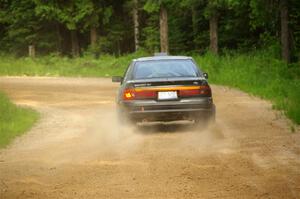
130, 94
200, 91
151, 93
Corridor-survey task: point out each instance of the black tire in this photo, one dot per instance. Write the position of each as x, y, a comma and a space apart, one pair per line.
213, 115
206, 119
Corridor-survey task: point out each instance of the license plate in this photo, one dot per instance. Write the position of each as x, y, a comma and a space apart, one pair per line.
168, 95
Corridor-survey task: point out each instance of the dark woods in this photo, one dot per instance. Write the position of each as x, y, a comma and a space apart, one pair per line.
75, 27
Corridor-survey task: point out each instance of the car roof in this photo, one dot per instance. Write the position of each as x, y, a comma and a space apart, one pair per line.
155, 58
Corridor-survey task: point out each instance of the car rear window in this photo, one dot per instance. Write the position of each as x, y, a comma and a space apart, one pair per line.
164, 69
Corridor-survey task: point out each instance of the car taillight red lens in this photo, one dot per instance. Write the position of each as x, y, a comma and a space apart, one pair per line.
130, 94
146, 94
202, 90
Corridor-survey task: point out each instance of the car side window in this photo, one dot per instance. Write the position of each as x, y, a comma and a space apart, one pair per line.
127, 73
199, 71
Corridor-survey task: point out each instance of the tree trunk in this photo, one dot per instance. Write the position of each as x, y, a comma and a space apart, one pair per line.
93, 36
285, 46
74, 43
59, 39
31, 51
135, 16
64, 39
195, 26
213, 31
164, 43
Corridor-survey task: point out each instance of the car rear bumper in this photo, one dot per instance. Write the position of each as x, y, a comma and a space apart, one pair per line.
185, 109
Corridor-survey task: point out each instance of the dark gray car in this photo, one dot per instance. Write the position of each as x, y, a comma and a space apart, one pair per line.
164, 88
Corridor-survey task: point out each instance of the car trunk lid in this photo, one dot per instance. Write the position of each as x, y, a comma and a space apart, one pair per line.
166, 88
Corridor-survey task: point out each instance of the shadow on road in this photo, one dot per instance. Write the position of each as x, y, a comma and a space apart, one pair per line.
172, 127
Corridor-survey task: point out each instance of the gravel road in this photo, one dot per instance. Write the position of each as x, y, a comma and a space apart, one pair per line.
77, 149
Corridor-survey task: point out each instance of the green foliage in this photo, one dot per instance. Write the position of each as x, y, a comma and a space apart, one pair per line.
13, 120
213, 6
53, 65
263, 13
295, 28
259, 74
103, 46
152, 6
243, 25
70, 13
21, 24
150, 35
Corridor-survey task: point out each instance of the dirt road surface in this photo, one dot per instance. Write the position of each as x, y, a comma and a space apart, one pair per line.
77, 149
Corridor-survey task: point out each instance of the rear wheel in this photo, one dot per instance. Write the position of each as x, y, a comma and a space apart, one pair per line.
213, 115
206, 119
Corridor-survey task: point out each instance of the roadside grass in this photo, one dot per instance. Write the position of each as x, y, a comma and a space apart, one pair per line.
14, 120
259, 73
87, 66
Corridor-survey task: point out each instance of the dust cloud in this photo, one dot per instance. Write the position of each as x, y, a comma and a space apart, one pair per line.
107, 135
94, 134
